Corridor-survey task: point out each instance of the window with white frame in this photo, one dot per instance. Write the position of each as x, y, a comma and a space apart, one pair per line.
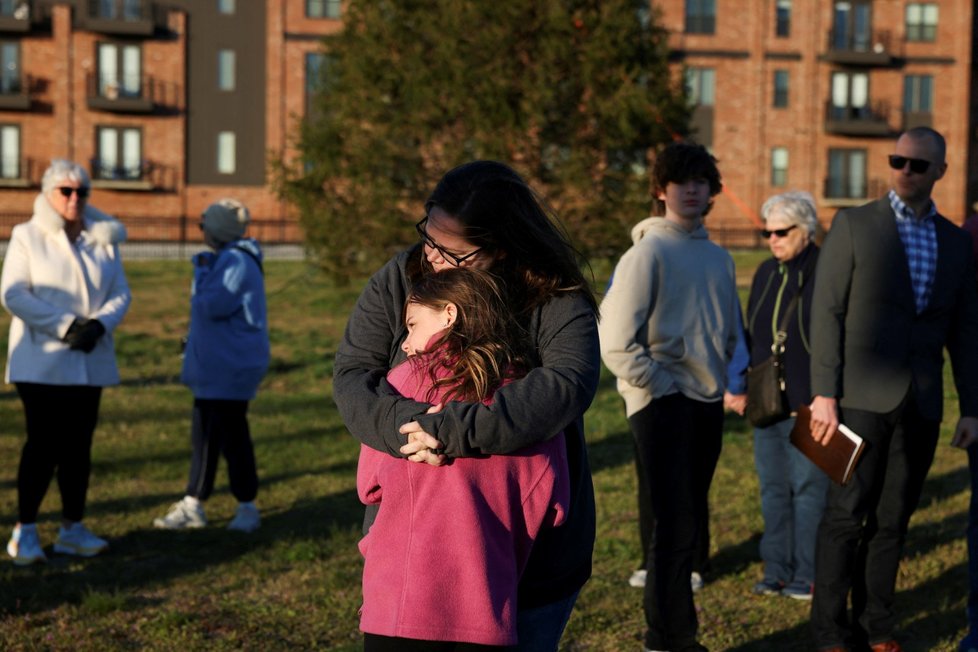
9, 152
119, 70
323, 8
850, 95
847, 174
226, 64
701, 86
779, 166
922, 21
918, 93
226, 154
120, 153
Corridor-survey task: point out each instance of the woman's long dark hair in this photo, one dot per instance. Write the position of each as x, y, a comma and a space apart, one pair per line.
502, 215
484, 346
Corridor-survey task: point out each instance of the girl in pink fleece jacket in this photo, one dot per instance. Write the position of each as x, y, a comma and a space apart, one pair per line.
480, 516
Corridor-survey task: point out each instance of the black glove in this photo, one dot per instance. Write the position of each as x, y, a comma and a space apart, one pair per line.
83, 334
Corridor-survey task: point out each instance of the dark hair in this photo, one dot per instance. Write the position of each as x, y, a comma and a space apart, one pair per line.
483, 347
501, 214
679, 162
920, 133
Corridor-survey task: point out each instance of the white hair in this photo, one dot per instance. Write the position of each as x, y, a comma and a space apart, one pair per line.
63, 170
796, 205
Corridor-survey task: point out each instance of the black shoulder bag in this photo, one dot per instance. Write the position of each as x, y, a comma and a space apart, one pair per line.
766, 400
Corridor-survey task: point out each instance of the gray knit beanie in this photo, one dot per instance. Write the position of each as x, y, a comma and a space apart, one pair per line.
226, 220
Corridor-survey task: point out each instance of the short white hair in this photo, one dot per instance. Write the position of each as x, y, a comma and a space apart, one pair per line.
63, 170
796, 205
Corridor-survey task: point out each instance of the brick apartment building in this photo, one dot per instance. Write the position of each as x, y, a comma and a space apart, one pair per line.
796, 94
170, 104
174, 103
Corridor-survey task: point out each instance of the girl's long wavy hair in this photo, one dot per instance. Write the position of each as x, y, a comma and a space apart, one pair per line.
501, 214
483, 348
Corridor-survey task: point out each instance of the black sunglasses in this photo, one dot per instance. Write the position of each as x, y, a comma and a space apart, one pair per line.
66, 191
917, 165
447, 255
778, 232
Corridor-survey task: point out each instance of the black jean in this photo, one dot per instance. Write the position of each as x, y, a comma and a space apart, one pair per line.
678, 442
60, 423
378, 643
861, 535
221, 426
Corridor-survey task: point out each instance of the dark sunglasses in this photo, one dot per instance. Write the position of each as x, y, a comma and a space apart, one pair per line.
778, 232
66, 191
917, 165
447, 255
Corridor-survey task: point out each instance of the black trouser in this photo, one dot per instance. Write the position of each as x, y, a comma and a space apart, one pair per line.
861, 535
222, 427
377, 643
678, 441
646, 523
60, 423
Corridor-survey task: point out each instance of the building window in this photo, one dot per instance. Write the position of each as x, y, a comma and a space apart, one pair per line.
852, 27
225, 6
850, 95
9, 68
921, 21
779, 166
918, 93
119, 70
118, 9
120, 153
782, 18
316, 66
226, 156
780, 88
700, 86
323, 8
847, 174
9, 152
701, 16
17, 9
225, 70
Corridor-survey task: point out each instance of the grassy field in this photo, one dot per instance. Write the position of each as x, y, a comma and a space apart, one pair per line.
294, 585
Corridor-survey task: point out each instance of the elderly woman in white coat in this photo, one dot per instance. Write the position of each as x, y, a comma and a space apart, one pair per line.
63, 283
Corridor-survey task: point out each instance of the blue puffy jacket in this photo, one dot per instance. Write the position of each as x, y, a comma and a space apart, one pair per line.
227, 347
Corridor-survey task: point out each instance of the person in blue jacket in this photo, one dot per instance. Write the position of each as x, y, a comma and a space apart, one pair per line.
225, 359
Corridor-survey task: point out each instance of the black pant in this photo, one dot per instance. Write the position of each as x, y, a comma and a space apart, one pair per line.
678, 441
222, 427
377, 643
60, 423
646, 522
861, 535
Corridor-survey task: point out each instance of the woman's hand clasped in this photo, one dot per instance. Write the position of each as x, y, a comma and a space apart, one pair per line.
421, 446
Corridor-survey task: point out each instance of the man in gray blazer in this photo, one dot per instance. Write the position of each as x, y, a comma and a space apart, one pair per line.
894, 286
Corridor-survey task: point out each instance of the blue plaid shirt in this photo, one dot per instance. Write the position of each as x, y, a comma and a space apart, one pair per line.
920, 243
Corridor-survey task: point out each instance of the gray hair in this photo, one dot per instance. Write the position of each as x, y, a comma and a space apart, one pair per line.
796, 205
63, 170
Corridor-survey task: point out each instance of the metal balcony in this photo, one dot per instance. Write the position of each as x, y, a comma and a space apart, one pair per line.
858, 121
868, 49
15, 93
123, 17
142, 94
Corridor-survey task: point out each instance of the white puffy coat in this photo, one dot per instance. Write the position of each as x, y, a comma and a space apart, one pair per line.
48, 281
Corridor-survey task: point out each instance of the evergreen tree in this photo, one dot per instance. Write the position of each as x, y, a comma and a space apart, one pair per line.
571, 93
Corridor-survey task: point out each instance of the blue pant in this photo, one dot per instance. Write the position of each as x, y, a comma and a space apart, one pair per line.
792, 499
539, 628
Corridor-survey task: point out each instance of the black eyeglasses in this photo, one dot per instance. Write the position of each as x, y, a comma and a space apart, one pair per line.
917, 165
66, 191
447, 255
778, 232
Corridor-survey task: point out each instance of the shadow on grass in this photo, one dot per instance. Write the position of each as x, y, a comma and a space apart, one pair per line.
611, 452
147, 559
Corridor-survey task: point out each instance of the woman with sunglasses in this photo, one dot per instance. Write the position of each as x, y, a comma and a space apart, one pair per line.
483, 215
792, 488
64, 285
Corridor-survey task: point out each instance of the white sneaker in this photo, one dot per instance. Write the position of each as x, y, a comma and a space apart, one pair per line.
695, 581
79, 540
24, 545
246, 519
638, 578
184, 514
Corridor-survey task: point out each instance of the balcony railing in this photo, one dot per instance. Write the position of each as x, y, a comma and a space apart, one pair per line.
144, 175
20, 172
131, 94
15, 92
125, 17
850, 190
870, 120
866, 49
